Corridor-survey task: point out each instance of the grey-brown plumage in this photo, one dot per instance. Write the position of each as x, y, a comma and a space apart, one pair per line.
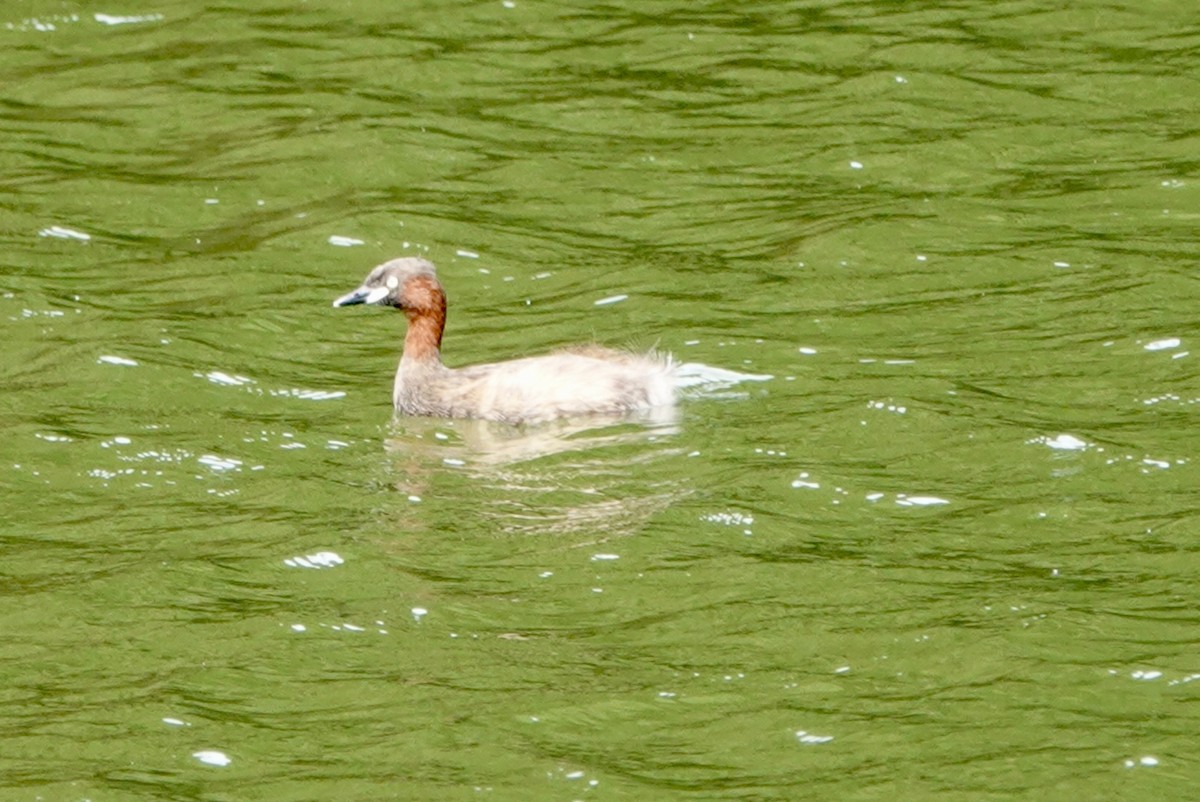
581, 381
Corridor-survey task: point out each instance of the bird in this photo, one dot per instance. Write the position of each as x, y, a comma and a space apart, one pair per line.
583, 380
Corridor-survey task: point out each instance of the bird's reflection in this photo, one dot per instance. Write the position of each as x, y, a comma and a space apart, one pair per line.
555, 478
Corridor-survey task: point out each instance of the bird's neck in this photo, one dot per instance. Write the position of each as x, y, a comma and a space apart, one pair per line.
423, 341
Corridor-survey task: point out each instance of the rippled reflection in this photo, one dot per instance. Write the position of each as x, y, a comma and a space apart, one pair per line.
555, 478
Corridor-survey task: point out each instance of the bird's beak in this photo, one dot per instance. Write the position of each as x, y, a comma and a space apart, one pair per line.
358, 296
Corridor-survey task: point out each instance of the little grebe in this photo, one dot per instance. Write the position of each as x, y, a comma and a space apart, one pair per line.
581, 381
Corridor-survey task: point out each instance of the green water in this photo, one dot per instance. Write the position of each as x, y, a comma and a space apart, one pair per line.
947, 552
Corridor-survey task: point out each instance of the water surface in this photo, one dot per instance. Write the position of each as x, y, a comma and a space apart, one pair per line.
947, 552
